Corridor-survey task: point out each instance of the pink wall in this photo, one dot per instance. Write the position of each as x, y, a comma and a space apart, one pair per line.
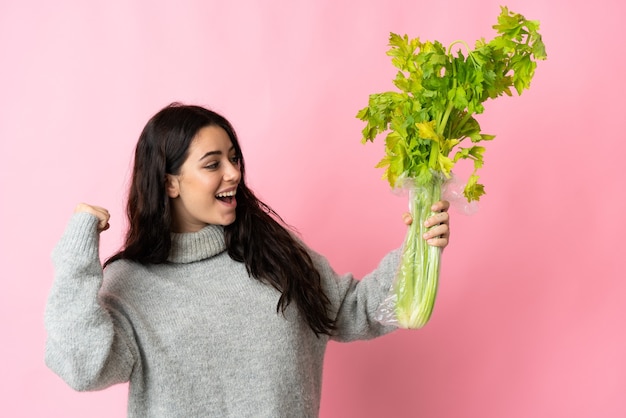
530, 317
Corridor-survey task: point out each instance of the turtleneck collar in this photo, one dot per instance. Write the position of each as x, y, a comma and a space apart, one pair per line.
196, 246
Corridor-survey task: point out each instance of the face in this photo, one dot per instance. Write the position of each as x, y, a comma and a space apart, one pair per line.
204, 191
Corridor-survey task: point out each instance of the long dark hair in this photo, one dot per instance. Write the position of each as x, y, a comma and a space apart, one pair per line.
258, 237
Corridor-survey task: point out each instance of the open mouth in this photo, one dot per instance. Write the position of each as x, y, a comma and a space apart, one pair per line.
226, 197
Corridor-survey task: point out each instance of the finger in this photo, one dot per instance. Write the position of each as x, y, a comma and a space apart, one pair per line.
440, 242
103, 221
440, 206
438, 218
100, 212
407, 218
439, 231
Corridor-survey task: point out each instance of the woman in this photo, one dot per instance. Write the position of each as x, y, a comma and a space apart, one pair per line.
212, 307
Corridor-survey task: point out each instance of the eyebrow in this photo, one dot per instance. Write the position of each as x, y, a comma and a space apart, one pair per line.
217, 152
208, 154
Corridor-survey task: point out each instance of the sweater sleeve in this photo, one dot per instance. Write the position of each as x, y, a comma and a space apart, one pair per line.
356, 301
88, 344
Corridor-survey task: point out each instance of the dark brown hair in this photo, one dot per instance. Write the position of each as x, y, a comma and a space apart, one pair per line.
258, 237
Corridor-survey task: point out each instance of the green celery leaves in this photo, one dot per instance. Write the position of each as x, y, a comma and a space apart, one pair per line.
440, 92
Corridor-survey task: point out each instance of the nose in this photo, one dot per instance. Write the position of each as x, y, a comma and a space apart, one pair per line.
232, 172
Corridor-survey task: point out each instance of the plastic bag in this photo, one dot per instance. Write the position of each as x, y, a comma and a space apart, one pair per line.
411, 299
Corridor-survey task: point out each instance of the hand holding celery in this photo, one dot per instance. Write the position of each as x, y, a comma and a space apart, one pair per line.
429, 120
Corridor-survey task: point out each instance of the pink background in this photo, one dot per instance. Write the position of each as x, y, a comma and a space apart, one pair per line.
530, 316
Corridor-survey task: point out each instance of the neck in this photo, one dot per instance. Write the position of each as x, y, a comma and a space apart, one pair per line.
195, 246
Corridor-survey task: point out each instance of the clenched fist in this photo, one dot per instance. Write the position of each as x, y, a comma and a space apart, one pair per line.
101, 213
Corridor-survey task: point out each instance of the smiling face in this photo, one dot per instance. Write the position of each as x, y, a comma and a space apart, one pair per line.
203, 192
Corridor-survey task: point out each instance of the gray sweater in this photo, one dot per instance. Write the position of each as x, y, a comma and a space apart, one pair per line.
195, 337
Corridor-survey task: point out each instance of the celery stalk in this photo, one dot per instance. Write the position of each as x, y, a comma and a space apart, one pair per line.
430, 124
418, 275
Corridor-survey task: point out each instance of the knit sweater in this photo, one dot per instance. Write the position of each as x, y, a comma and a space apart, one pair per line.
197, 336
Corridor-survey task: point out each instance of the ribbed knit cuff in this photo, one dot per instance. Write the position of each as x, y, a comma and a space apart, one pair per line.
80, 238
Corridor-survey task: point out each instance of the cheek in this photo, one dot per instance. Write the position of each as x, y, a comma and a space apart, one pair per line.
203, 182
206, 188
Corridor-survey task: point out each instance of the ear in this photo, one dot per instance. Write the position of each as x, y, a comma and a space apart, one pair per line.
172, 186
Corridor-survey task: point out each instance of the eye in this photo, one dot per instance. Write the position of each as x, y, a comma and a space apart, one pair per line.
235, 160
212, 166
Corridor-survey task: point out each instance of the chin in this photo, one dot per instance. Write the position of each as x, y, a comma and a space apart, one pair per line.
227, 221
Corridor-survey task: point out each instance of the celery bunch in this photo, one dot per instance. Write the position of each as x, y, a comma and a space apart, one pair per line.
428, 122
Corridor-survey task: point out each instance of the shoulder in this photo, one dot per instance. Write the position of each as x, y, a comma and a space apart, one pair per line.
122, 266
318, 259
121, 274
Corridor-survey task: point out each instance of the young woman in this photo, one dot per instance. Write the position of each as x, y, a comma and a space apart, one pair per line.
212, 307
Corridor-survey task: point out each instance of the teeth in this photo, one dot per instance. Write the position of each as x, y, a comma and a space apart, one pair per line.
227, 194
